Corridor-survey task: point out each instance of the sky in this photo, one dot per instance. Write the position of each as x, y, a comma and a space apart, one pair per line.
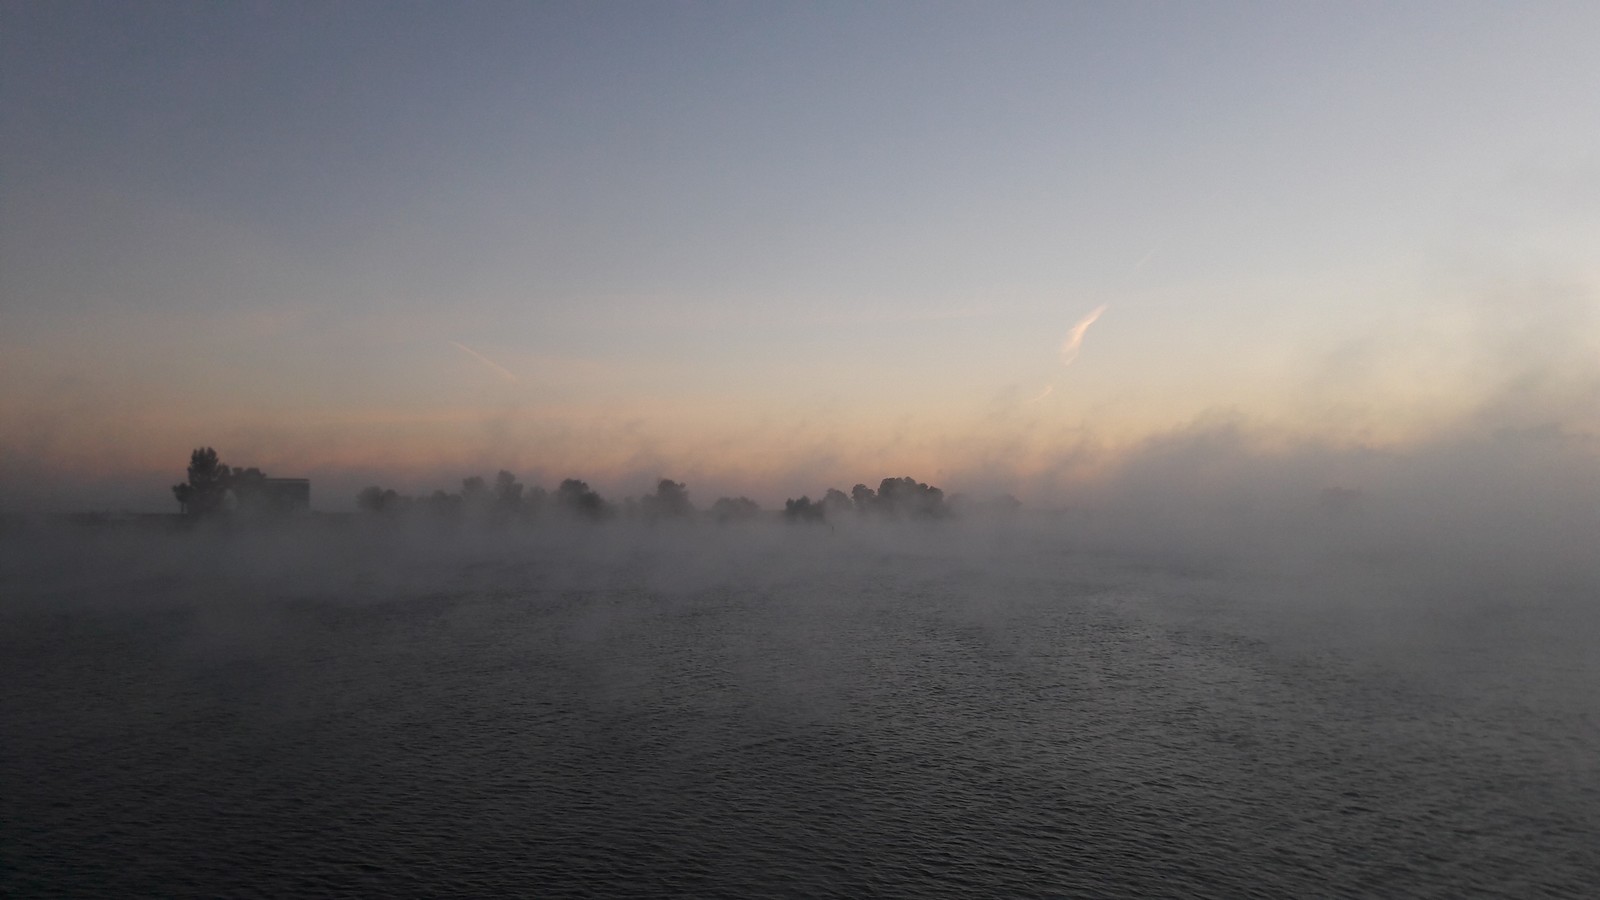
771, 248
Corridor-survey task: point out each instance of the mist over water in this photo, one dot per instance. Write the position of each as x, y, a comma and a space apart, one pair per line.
1257, 347
1039, 705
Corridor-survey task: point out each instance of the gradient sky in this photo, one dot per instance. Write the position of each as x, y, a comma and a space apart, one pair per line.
770, 248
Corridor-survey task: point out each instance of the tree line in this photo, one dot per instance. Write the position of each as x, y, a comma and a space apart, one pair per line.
213, 487
507, 499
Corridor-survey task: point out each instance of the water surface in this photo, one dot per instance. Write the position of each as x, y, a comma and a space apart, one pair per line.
780, 713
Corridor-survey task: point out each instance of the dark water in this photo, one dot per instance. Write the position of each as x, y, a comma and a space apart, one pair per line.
784, 717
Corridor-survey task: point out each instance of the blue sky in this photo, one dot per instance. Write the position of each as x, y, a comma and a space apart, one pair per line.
767, 245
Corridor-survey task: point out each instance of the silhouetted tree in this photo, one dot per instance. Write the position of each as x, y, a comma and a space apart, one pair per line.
835, 503
671, 500
203, 493
443, 505
802, 510
507, 492
865, 498
474, 492
734, 509
909, 497
375, 499
214, 487
574, 497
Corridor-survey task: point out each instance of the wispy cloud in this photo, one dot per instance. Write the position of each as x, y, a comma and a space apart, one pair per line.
498, 369
1074, 339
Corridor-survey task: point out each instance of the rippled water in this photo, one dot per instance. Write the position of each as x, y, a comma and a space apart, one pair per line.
792, 714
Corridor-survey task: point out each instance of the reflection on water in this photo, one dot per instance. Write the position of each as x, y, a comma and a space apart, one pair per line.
871, 720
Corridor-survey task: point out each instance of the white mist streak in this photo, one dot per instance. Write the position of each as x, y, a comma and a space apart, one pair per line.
499, 369
1074, 340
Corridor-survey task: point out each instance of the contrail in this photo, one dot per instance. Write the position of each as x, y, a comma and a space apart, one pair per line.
1074, 341
1048, 390
499, 369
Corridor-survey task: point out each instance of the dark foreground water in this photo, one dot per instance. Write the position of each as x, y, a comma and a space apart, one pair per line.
781, 713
